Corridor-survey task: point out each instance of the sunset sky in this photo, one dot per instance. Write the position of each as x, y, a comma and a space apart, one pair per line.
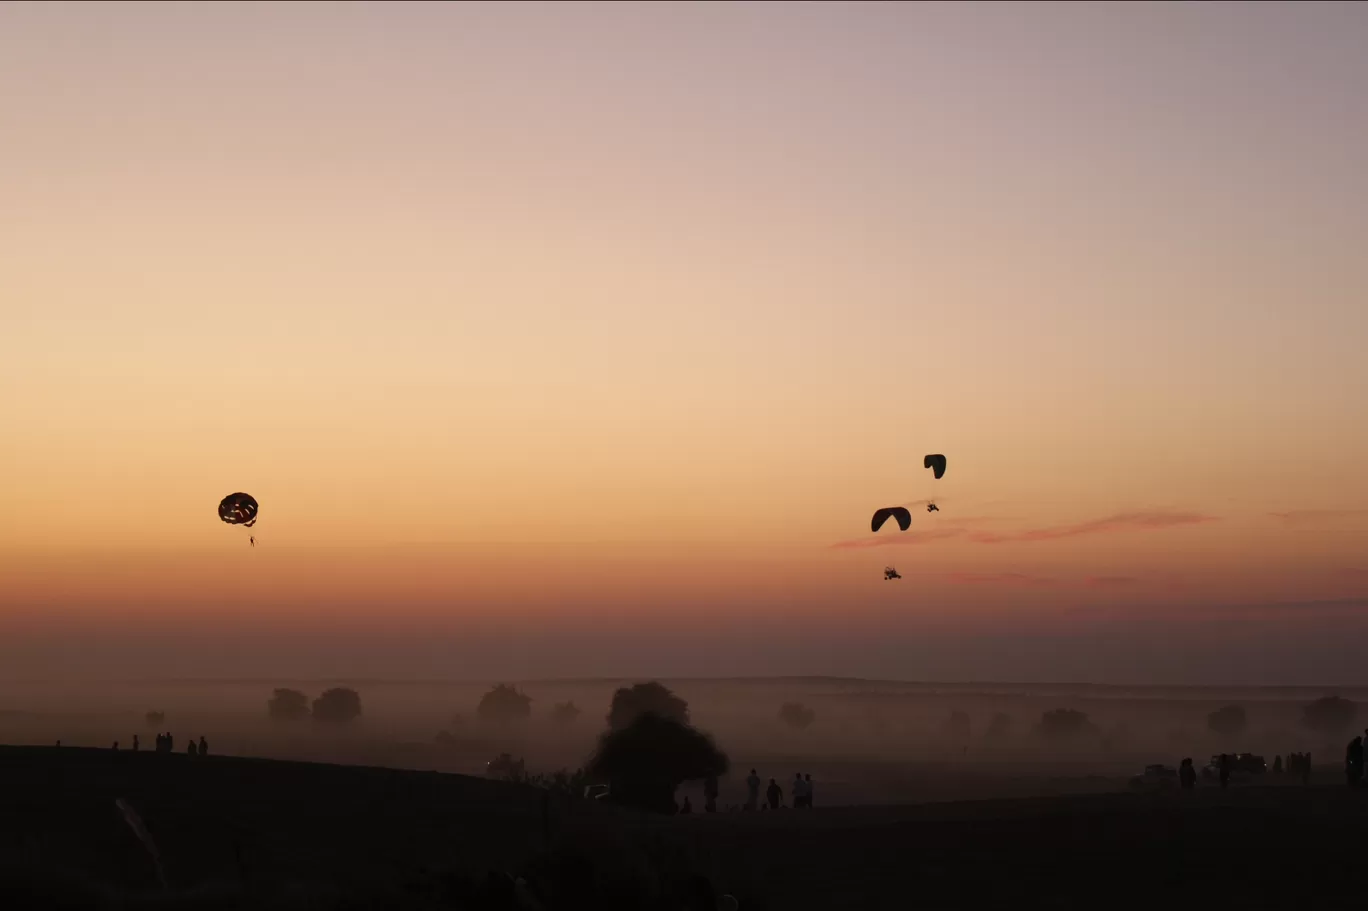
578, 339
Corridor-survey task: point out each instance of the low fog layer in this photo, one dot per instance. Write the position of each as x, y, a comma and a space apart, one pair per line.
863, 742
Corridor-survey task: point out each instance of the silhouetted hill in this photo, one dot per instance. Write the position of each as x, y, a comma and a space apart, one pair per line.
258, 833
223, 818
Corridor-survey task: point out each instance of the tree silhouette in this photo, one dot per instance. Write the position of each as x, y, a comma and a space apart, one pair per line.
957, 726
648, 759
643, 698
565, 712
796, 715
504, 703
999, 726
1329, 715
339, 704
1228, 721
287, 705
1064, 724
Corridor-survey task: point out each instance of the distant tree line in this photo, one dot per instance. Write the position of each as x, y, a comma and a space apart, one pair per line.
650, 746
337, 705
1329, 715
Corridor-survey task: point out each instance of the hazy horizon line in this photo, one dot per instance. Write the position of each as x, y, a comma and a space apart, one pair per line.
626, 679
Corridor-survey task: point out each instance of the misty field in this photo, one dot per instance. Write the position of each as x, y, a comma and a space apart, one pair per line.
952, 795
868, 742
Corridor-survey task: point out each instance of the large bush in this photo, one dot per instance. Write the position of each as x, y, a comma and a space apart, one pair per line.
1064, 724
1229, 721
287, 705
504, 703
648, 759
565, 712
630, 703
1329, 715
796, 715
339, 705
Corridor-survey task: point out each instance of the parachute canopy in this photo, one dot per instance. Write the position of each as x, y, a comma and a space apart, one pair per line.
936, 463
238, 509
891, 512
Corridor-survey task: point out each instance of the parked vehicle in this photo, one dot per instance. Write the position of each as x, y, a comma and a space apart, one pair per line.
1155, 778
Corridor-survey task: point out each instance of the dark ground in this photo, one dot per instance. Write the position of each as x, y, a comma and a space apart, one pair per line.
237, 833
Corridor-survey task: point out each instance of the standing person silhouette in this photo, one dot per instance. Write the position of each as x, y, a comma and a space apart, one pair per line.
752, 790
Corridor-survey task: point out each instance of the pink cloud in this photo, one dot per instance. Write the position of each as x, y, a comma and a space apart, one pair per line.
1303, 516
1000, 579
1118, 522
903, 538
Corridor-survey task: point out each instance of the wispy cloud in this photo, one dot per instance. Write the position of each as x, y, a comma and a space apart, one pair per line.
1119, 522
904, 538
1028, 579
1306, 516
1015, 579
1332, 604
1109, 581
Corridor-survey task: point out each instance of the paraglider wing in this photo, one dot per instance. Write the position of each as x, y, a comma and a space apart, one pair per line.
903, 517
936, 463
238, 509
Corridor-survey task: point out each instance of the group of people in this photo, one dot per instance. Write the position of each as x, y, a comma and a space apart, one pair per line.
1298, 764
167, 744
801, 792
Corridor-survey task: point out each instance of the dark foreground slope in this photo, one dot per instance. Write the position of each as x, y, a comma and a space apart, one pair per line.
254, 833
